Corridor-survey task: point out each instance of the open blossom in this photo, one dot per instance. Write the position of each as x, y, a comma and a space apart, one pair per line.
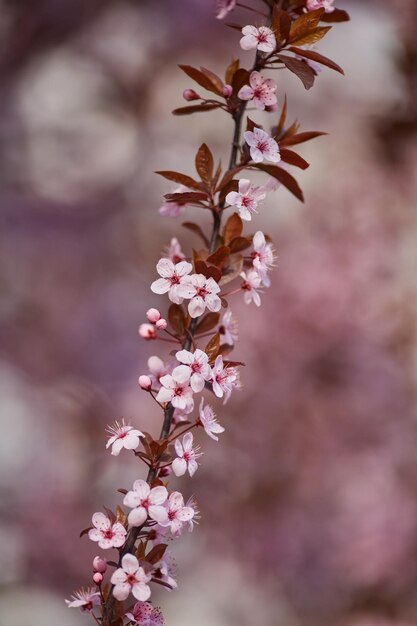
195, 366
327, 5
263, 257
207, 419
172, 279
131, 578
173, 209
262, 146
224, 7
145, 502
228, 328
177, 513
246, 199
223, 378
262, 38
250, 285
176, 389
84, 599
202, 292
107, 535
174, 252
122, 436
187, 455
260, 90
144, 614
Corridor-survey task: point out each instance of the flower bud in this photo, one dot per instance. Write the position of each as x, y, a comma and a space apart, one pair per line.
153, 315
161, 324
165, 471
99, 565
98, 578
145, 383
190, 94
227, 91
147, 331
271, 108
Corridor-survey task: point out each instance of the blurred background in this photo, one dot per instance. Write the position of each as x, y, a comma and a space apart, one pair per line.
309, 500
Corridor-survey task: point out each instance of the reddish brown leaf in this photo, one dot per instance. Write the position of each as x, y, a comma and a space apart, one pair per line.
281, 24
250, 124
155, 555
239, 243
240, 79
204, 163
228, 176
176, 318
209, 271
201, 78
196, 229
300, 69
121, 516
181, 179
233, 185
233, 228
282, 119
305, 23
208, 322
319, 58
220, 257
284, 178
288, 156
233, 270
231, 71
186, 197
338, 15
313, 36
85, 531
300, 138
215, 80
213, 347
195, 108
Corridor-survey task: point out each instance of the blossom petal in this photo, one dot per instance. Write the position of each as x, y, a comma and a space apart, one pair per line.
101, 521
121, 591
118, 577
130, 564
137, 516
165, 268
196, 307
158, 513
160, 286
141, 591
158, 495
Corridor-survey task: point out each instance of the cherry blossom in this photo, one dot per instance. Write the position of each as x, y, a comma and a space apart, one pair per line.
99, 565
145, 501
172, 279
177, 513
192, 504
131, 578
162, 573
246, 199
144, 614
157, 368
262, 38
223, 378
195, 366
263, 257
122, 436
228, 328
250, 285
202, 293
260, 90
153, 315
262, 146
174, 209
327, 5
147, 331
107, 535
186, 456
176, 389
84, 599
207, 419
145, 382
174, 251
224, 7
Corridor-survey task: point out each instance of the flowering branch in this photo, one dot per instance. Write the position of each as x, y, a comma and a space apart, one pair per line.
156, 512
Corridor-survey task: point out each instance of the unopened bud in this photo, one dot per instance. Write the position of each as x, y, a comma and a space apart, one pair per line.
147, 331
190, 94
99, 565
145, 383
153, 315
98, 578
165, 471
271, 108
227, 91
161, 324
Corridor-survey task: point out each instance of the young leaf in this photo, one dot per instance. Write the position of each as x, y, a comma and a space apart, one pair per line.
233, 228
196, 229
176, 318
208, 322
209, 271
282, 119
338, 15
293, 140
220, 257
288, 156
231, 71
313, 36
181, 179
201, 78
155, 555
195, 108
213, 347
214, 79
186, 197
315, 56
240, 78
281, 24
305, 23
239, 243
228, 176
233, 270
204, 163
284, 178
300, 69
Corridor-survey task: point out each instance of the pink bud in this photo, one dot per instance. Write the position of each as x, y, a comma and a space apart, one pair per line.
227, 91
190, 94
98, 578
271, 108
161, 324
165, 471
145, 383
99, 565
147, 331
153, 315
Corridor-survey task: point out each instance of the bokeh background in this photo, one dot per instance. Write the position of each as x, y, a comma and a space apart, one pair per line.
309, 501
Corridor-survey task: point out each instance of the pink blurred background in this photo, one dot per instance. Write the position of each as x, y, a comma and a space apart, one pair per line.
309, 501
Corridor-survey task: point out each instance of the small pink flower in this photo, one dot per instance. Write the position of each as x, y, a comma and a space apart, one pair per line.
228, 328
174, 251
131, 578
145, 382
187, 455
262, 146
98, 578
260, 90
208, 421
176, 389
144, 614
99, 565
174, 209
224, 7
250, 285
177, 513
263, 257
145, 502
227, 91
195, 366
313, 5
223, 378
122, 436
261, 38
202, 293
246, 200
190, 95
161, 324
172, 279
107, 535
84, 599
147, 331
153, 315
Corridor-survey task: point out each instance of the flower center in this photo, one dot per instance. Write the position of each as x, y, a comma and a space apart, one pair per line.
202, 292
131, 579
171, 515
107, 534
174, 279
262, 145
196, 367
246, 286
178, 391
145, 503
261, 37
186, 456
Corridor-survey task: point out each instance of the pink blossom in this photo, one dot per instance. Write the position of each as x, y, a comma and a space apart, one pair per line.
173, 209
195, 366
262, 146
157, 369
246, 199
99, 565
98, 578
172, 279
186, 456
157, 534
144, 614
261, 38
227, 91
228, 328
202, 292
208, 420
145, 382
153, 315
122, 436
261, 90
84, 599
192, 504
263, 257
224, 7
162, 573
313, 5
174, 251
223, 378
130, 578
147, 331
161, 324
177, 513
175, 389
145, 502
190, 95
107, 535
250, 285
